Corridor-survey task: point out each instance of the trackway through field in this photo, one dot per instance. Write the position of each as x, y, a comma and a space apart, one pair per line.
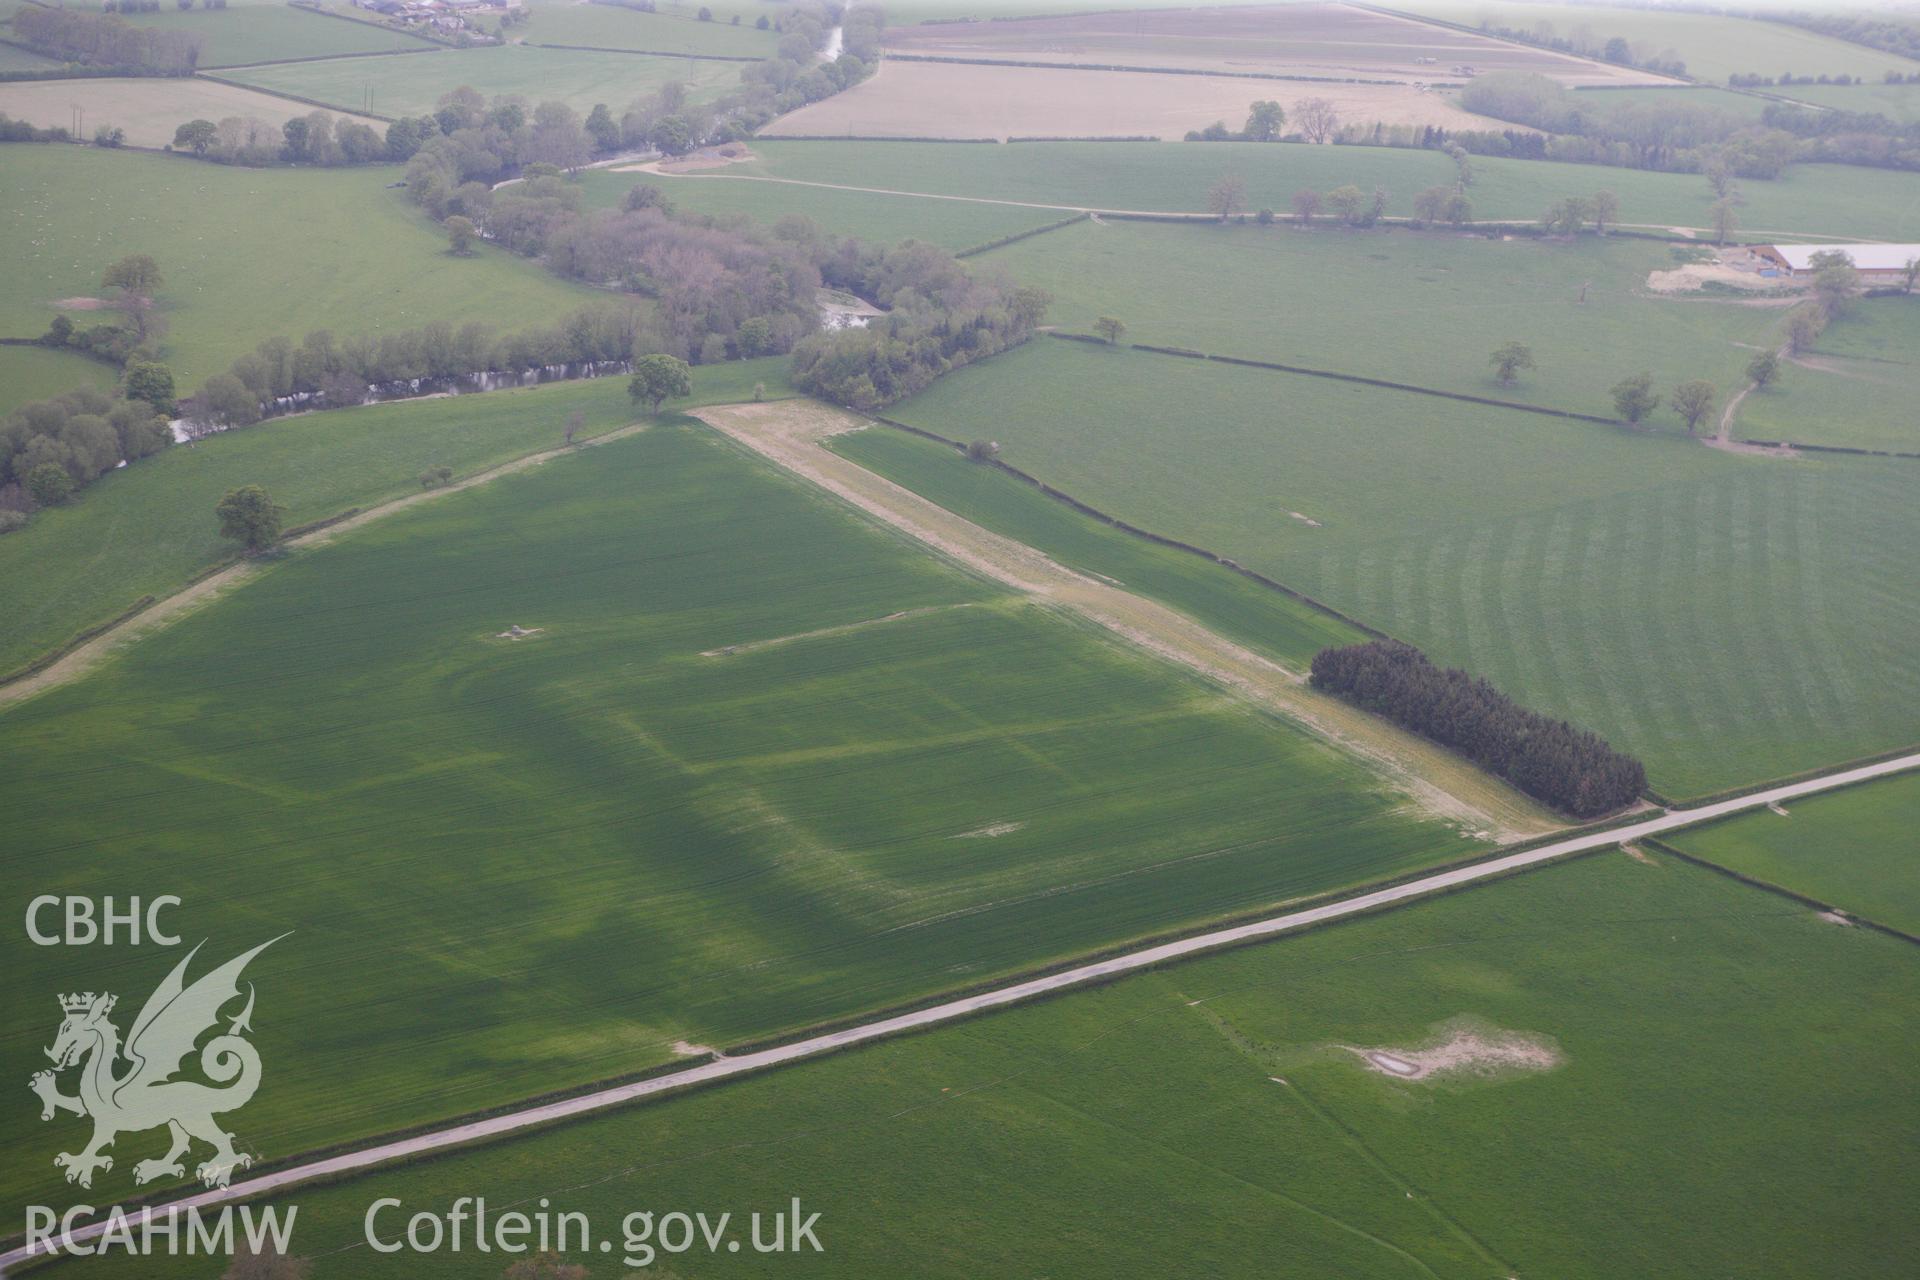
724, 1068
789, 433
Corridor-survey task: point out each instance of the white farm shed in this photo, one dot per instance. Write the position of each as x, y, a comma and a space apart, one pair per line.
1887, 260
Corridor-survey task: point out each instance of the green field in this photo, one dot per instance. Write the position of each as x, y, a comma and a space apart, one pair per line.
35, 373
1226, 602
1857, 388
603, 26
1721, 1049
14, 58
1714, 46
265, 33
1745, 105
1418, 307
148, 529
1895, 101
679, 812
1836, 200
1853, 848
951, 224
249, 253
1725, 618
414, 86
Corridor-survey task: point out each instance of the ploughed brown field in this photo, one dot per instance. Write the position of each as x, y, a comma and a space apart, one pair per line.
1327, 40
950, 100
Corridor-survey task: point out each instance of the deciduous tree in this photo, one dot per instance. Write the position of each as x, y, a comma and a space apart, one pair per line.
1347, 202
1804, 327
1763, 369
1306, 203
1726, 218
1634, 398
1569, 215
1509, 359
152, 382
1835, 281
196, 136
602, 128
460, 234
1693, 400
1109, 328
250, 517
1227, 196
1604, 207
225, 399
137, 277
1430, 205
49, 484
658, 378
1265, 120
1318, 118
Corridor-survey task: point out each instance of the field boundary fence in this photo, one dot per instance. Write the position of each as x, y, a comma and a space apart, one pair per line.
1148, 535
1654, 842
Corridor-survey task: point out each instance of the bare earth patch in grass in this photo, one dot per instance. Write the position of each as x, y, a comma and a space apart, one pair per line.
1464, 1046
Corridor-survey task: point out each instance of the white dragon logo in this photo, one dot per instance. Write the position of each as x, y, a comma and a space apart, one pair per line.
146, 1096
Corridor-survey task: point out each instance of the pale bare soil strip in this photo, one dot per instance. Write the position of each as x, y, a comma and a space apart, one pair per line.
790, 434
537, 1116
176, 606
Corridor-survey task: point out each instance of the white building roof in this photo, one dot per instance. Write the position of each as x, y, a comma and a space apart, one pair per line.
1866, 257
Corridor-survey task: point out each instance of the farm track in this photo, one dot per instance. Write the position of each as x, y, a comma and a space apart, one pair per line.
790, 433
170, 609
1723, 437
725, 1068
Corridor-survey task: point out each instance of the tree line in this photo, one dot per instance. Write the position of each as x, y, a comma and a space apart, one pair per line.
51, 449
1890, 32
1683, 137
940, 324
1571, 769
326, 372
719, 290
105, 40
472, 139
1584, 42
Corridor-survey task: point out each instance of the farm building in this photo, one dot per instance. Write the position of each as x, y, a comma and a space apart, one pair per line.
1873, 261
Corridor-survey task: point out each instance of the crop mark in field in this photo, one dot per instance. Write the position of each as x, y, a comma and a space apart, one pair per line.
991, 831
790, 433
754, 646
176, 606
